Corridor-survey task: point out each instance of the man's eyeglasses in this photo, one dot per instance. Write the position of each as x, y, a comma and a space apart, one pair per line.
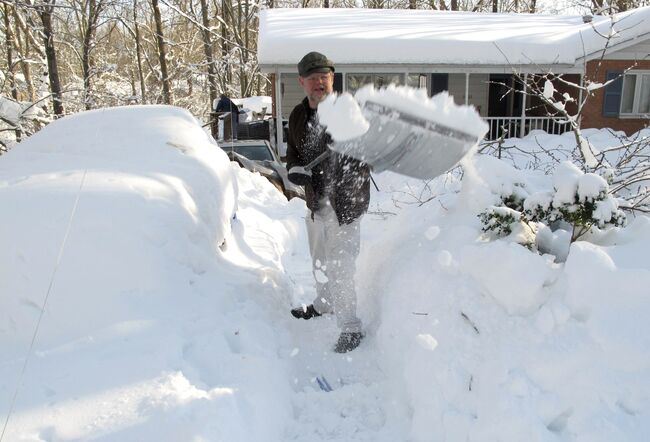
318, 78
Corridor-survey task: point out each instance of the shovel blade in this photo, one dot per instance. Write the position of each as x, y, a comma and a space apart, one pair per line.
406, 143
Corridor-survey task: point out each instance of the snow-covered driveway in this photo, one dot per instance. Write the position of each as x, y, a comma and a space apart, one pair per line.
155, 329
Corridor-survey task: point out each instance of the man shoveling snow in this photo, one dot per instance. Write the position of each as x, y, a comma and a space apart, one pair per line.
398, 129
337, 193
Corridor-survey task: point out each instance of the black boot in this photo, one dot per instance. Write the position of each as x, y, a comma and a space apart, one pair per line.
348, 341
305, 312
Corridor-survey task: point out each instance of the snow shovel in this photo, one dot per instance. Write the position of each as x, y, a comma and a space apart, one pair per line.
406, 143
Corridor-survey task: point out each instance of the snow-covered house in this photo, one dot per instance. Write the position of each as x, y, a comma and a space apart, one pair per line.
473, 56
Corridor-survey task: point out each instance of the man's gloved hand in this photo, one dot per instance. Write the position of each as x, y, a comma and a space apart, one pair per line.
298, 175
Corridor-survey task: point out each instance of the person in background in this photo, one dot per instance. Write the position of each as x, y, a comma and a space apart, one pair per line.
337, 194
225, 104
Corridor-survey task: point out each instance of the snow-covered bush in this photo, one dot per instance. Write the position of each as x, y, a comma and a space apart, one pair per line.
581, 200
18, 120
500, 219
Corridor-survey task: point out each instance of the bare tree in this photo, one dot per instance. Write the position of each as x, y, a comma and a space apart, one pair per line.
162, 57
45, 12
207, 47
88, 12
626, 166
138, 52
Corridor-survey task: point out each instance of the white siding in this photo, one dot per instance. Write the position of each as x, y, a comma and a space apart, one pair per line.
478, 90
292, 93
638, 51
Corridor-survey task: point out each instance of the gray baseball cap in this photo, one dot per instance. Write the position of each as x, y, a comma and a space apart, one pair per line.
314, 62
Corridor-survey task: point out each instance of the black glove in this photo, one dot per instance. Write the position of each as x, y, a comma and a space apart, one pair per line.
298, 175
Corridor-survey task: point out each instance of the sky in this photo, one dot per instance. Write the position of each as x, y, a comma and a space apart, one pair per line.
146, 283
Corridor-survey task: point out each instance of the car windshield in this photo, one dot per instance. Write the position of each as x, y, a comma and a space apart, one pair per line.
257, 152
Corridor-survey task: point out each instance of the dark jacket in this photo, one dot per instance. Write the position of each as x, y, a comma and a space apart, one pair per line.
225, 104
342, 179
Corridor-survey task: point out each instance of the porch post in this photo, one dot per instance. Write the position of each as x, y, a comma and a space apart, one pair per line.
466, 88
278, 114
522, 125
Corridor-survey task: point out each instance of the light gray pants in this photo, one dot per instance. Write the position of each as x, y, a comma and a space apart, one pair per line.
334, 250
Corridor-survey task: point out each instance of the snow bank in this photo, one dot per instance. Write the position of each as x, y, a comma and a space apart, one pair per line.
139, 175
490, 341
144, 334
516, 280
153, 332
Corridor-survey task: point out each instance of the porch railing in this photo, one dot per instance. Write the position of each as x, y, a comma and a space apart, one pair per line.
512, 126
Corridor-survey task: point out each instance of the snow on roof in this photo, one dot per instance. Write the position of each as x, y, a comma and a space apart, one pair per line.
372, 36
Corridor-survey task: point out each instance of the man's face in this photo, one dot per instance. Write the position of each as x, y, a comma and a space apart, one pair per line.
317, 86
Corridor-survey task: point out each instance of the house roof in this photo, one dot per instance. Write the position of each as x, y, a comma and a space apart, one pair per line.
417, 37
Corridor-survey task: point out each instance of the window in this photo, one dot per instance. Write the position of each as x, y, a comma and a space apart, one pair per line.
417, 80
356, 81
635, 97
253, 152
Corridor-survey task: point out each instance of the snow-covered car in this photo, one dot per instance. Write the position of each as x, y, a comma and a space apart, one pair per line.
257, 156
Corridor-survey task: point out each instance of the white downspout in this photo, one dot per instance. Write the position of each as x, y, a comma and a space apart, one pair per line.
522, 125
278, 113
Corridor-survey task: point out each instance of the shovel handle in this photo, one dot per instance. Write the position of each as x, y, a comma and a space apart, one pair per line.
319, 159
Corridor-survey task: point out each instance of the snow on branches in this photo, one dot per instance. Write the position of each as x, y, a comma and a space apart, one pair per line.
580, 201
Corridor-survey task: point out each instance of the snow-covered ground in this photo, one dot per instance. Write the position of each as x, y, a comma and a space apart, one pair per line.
155, 280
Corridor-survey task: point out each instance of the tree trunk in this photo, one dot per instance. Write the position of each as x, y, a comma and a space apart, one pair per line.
138, 53
50, 52
86, 62
226, 15
596, 6
413, 4
167, 97
209, 57
495, 5
9, 50
23, 55
454, 5
10, 64
532, 8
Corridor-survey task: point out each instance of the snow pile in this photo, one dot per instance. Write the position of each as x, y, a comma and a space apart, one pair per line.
168, 319
526, 349
117, 218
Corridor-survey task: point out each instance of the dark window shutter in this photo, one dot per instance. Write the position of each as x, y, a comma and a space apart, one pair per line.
439, 83
613, 92
338, 82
